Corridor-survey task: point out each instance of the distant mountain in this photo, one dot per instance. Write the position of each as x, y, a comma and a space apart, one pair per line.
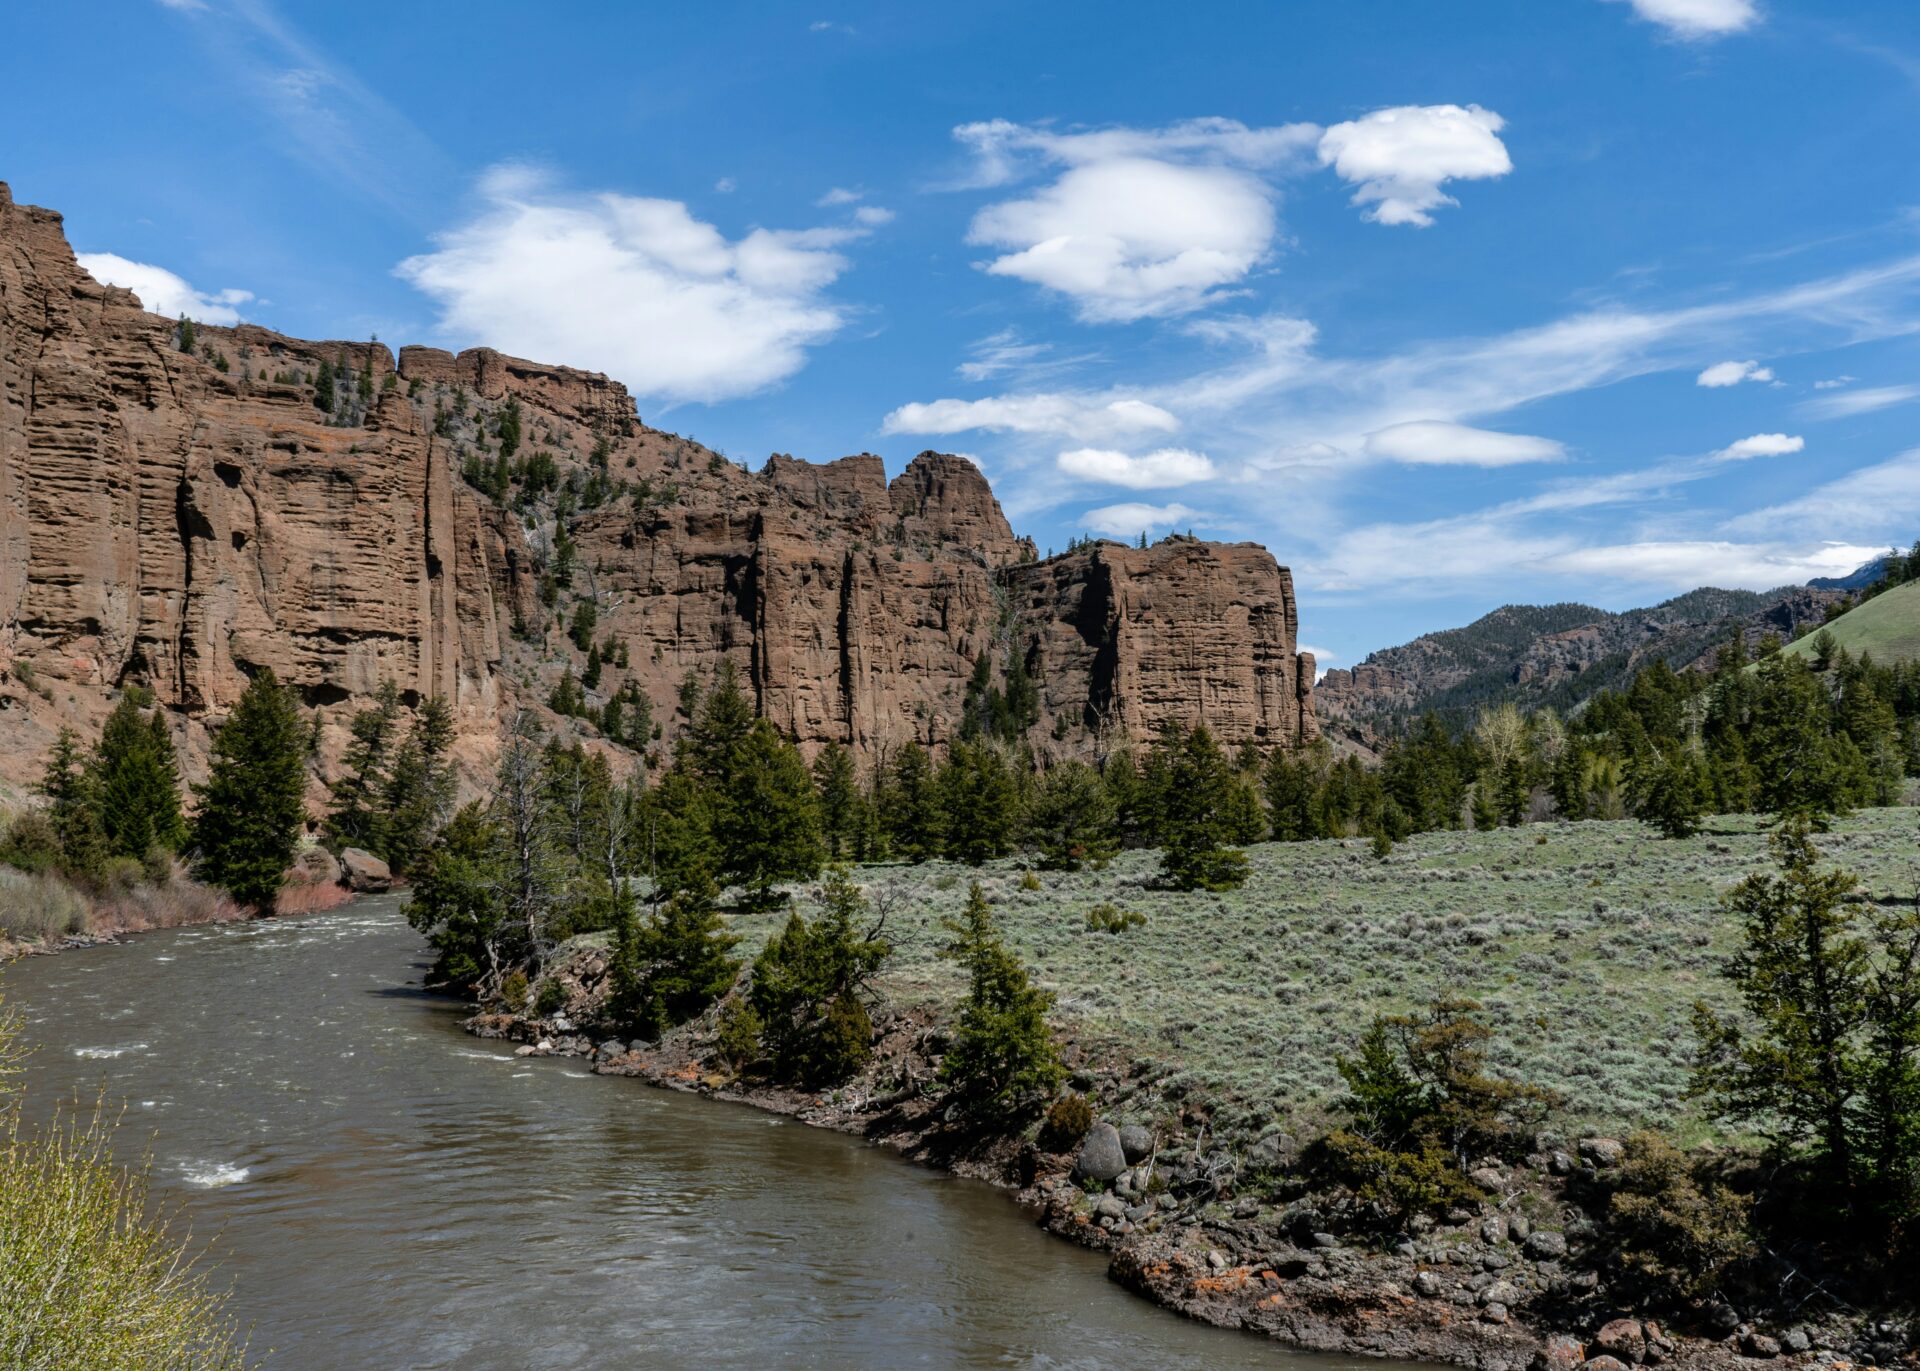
1862, 576
1888, 626
1548, 655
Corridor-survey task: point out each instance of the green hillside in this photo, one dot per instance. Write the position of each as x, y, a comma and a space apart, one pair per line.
1888, 626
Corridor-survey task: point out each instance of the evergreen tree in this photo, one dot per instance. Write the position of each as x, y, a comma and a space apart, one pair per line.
586, 618
1071, 822
837, 790
979, 798
1194, 814
134, 781
1002, 1055
1293, 782
716, 740
420, 785
72, 809
676, 832
810, 984
252, 806
323, 387
674, 965
359, 814
1677, 794
911, 808
769, 823
457, 902
1828, 1062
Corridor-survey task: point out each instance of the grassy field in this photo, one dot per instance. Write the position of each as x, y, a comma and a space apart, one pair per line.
1587, 943
1888, 626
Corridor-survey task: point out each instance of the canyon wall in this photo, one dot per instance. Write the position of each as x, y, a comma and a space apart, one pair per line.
180, 517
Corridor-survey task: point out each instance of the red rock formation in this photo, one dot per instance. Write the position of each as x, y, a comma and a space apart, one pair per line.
179, 519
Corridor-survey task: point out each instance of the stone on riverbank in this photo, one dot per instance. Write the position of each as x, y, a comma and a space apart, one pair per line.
1102, 1157
366, 873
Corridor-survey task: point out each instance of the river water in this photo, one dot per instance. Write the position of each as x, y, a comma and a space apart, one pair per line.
384, 1191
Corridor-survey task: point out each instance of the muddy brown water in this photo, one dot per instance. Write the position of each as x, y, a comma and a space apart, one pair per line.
384, 1191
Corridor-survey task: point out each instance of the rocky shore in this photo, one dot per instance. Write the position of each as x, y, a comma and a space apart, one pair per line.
1223, 1230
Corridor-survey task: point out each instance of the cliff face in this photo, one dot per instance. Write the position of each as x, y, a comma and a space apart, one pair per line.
179, 519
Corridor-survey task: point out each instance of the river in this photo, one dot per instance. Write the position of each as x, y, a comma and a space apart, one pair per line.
384, 1191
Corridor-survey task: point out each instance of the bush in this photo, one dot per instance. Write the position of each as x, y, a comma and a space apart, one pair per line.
738, 1033
552, 998
1674, 1224
86, 1278
513, 990
1107, 918
1068, 1119
39, 907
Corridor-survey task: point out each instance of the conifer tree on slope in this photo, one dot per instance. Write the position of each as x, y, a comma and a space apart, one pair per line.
1003, 1053
252, 804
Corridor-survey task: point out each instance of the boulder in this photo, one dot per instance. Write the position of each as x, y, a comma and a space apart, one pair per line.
1493, 1230
1561, 1352
1545, 1245
1136, 1140
1622, 1338
1760, 1345
1426, 1284
1602, 1151
1101, 1158
366, 873
1603, 1363
314, 866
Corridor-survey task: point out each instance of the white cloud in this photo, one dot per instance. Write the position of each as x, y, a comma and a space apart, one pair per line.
1835, 384
1087, 419
726, 185
1401, 157
1128, 520
163, 292
1723, 374
1431, 442
1855, 402
633, 286
1697, 19
1169, 466
873, 216
1132, 237
1140, 223
1761, 445
839, 195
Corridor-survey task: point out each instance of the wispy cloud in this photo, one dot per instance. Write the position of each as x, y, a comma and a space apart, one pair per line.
163, 291
1849, 403
1698, 20
1721, 375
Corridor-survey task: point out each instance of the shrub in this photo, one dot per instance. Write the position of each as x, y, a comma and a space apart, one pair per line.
39, 906
33, 844
738, 1033
1068, 1119
552, 998
513, 990
1030, 882
1107, 918
87, 1279
1674, 1224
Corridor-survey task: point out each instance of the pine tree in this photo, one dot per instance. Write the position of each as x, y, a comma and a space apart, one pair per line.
1002, 1055
769, 824
72, 808
1071, 821
979, 799
1677, 794
252, 806
838, 792
135, 781
457, 901
359, 815
1828, 1062
810, 984
420, 785
1193, 818
586, 618
675, 964
911, 807
590, 674
678, 850
715, 741
323, 387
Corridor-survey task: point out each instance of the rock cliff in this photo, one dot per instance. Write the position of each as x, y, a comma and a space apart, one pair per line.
179, 517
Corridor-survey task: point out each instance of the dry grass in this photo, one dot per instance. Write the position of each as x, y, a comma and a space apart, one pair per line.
310, 897
173, 904
39, 909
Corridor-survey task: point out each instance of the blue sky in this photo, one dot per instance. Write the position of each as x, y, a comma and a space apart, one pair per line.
1450, 303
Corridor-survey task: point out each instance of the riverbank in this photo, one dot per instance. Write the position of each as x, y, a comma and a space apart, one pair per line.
46, 914
1515, 1284
1206, 1036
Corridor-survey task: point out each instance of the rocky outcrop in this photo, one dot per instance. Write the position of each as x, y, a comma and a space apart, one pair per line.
183, 517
